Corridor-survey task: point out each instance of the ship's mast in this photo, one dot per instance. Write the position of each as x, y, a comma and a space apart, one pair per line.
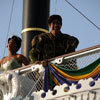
35, 16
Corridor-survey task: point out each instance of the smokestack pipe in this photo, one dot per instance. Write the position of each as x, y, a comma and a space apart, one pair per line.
35, 21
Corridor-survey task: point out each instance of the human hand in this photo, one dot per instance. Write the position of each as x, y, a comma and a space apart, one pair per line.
44, 63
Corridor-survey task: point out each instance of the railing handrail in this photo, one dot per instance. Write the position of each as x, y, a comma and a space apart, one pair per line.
67, 56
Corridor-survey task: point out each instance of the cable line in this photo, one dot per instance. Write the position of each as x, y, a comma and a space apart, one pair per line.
8, 27
83, 15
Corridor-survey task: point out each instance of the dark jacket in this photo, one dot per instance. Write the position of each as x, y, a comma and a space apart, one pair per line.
45, 46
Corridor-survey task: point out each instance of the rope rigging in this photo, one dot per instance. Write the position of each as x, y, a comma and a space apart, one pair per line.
83, 15
9, 27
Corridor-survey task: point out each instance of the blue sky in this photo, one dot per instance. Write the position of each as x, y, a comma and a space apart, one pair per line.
73, 23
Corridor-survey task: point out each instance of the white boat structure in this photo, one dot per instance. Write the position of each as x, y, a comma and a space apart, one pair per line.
28, 82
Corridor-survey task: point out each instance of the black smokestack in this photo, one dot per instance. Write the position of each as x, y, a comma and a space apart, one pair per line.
35, 21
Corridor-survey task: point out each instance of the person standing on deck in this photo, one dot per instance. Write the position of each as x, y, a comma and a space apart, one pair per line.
13, 60
53, 44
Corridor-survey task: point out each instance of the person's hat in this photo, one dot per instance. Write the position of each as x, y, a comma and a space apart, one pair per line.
53, 17
17, 40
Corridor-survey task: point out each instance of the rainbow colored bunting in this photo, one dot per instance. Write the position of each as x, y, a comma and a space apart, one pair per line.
57, 75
